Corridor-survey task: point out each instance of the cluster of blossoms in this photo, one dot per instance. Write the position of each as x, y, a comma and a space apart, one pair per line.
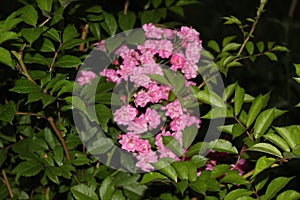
180, 51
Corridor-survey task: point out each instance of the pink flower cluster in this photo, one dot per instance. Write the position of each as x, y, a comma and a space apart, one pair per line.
85, 77
144, 111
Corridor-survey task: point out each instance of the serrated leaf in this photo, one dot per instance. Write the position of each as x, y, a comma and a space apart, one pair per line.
181, 170
72, 43
287, 136
257, 105
104, 114
118, 195
106, 189
250, 47
29, 15
37, 58
68, 61
69, 33
5, 36
47, 46
266, 148
238, 99
198, 186
24, 86
208, 97
31, 34
127, 21
51, 173
173, 144
278, 141
275, 186
83, 192
288, 194
221, 145
150, 176
110, 24
188, 135
178, 10
28, 168
5, 58
263, 122
220, 170
166, 169
95, 30
234, 178
238, 130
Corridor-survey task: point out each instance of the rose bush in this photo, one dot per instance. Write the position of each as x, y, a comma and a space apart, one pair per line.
178, 154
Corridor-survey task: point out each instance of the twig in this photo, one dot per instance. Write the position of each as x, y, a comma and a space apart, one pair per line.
30, 113
61, 139
54, 57
84, 33
242, 125
11, 194
208, 79
126, 5
22, 64
44, 22
259, 12
292, 8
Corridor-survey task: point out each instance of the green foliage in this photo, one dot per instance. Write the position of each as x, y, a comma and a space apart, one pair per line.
43, 42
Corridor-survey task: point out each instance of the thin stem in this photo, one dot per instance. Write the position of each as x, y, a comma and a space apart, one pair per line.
44, 22
54, 57
61, 139
30, 113
292, 8
209, 79
126, 5
7, 184
253, 27
84, 33
241, 124
22, 65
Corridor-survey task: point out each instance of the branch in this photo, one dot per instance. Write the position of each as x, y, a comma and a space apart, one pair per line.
126, 5
84, 33
7, 184
61, 139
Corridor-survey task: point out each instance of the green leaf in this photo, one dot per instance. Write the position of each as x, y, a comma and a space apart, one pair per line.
220, 170
156, 3
24, 86
250, 47
188, 135
5, 58
235, 194
150, 176
106, 189
217, 112
271, 56
181, 169
257, 105
149, 16
198, 186
297, 69
208, 97
29, 15
263, 122
260, 46
118, 195
229, 91
77, 102
127, 21
221, 145
173, 144
95, 30
214, 46
51, 173
266, 148
47, 46
83, 192
238, 99
28, 168
45, 5
158, 78
68, 61
237, 130
287, 136
278, 141
70, 32
227, 39
37, 58
110, 24
177, 9
5, 36
275, 186
234, 178
231, 47
31, 34
166, 169
288, 194
3, 155
192, 168
104, 114
280, 48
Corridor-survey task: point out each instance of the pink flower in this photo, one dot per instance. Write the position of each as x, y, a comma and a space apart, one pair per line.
141, 98
129, 142
188, 34
177, 61
153, 118
168, 34
152, 31
165, 48
190, 70
101, 45
139, 77
173, 109
125, 115
138, 125
145, 160
111, 75
86, 77
192, 52
143, 146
